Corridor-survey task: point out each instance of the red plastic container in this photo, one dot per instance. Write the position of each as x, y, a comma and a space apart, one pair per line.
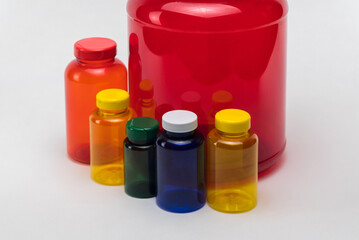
195, 51
94, 69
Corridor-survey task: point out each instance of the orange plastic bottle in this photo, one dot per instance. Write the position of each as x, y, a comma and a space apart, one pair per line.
94, 69
107, 133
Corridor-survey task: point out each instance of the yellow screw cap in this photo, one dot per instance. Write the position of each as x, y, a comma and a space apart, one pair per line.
233, 121
112, 99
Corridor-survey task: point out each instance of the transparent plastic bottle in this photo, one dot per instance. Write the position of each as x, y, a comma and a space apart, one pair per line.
140, 157
232, 163
238, 46
94, 69
180, 163
146, 106
107, 133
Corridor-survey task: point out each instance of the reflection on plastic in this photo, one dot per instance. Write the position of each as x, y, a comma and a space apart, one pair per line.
146, 106
134, 70
191, 100
221, 99
162, 109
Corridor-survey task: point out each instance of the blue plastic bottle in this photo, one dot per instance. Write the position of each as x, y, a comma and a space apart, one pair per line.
180, 163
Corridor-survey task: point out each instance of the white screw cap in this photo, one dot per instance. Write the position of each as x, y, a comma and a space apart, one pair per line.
179, 121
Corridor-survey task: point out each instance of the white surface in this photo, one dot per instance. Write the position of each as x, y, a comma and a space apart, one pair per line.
179, 121
313, 195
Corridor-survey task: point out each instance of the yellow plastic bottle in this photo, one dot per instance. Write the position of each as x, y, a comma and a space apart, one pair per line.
107, 133
232, 163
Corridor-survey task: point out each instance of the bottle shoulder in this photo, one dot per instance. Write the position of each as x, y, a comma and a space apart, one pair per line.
136, 147
217, 140
80, 72
195, 141
98, 119
207, 15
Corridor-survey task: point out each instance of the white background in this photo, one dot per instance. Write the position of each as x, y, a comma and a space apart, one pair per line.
314, 194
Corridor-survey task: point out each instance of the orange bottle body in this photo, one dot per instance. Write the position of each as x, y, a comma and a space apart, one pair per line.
107, 133
83, 80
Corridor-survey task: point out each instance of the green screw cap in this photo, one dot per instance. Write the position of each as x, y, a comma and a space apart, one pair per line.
142, 129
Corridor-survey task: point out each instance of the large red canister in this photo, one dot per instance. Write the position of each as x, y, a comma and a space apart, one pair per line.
209, 55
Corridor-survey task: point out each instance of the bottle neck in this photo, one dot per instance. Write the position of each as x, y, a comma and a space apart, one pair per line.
179, 135
112, 113
142, 142
242, 135
95, 62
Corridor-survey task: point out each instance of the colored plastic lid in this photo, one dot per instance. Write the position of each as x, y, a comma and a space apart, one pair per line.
95, 48
233, 121
142, 129
179, 121
112, 99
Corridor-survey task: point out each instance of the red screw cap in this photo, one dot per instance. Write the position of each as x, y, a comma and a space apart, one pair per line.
95, 48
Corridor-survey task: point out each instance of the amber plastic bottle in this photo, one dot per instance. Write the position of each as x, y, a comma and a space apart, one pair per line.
94, 69
107, 133
232, 163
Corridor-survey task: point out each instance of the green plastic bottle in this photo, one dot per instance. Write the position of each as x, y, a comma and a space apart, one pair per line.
140, 157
